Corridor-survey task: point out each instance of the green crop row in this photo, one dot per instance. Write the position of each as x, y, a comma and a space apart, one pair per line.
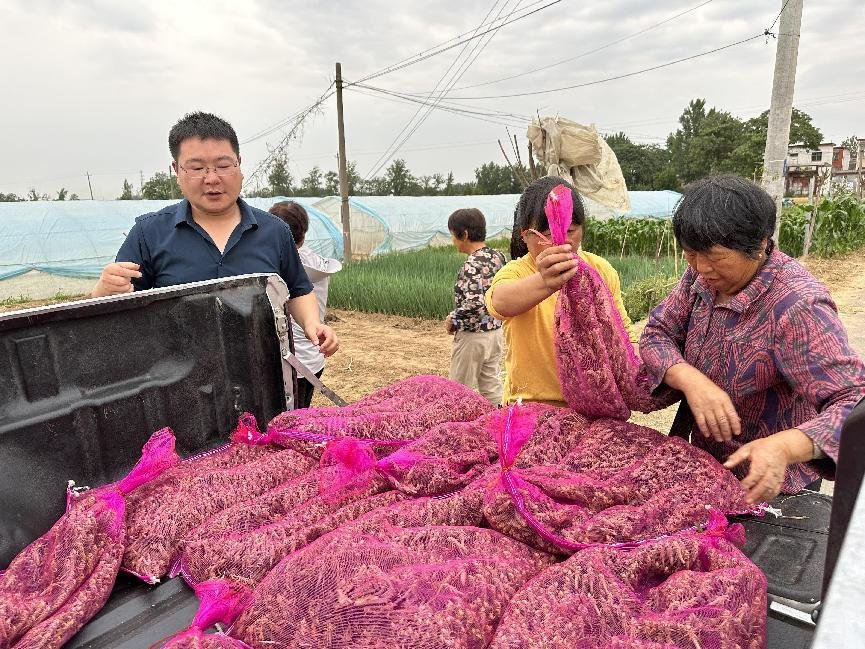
420, 283
839, 226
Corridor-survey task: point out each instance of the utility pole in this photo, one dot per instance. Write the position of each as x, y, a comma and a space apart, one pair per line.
343, 175
781, 109
90, 186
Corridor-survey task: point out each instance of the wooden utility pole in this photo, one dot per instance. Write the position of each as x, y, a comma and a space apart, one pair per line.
89, 185
343, 174
781, 109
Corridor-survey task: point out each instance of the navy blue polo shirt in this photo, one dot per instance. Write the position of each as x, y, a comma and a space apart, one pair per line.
171, 248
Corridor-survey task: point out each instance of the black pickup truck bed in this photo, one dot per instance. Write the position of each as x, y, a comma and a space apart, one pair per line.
89, 381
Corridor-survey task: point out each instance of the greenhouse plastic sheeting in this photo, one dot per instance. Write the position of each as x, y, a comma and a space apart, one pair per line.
78, 238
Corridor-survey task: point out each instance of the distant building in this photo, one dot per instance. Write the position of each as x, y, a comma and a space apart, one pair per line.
804, 165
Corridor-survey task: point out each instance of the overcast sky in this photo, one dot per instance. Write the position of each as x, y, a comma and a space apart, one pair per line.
95, 85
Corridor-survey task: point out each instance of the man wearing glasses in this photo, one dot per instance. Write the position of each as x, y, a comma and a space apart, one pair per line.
212, 233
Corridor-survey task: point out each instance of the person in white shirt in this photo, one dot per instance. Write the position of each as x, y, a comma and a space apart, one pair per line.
318, 269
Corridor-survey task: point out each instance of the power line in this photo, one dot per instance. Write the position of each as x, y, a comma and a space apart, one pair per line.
462, 66
769, 28
287, 120
618, 76
588, 52
444, 47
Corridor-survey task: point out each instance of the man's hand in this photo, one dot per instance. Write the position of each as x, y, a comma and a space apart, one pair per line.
116, 278
324, 337
449, 325
556, 264
769, 458
713, 410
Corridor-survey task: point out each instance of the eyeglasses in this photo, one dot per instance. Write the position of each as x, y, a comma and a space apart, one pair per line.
223, 170
545, 240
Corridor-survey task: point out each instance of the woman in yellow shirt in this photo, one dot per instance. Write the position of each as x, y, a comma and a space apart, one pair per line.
523, 294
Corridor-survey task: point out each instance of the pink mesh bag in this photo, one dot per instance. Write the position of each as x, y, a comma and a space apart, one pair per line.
386, 418
414, 588
162, 513
597, 367
247, 554
220, 602
686, 592
443, 459
619, 484
58, 582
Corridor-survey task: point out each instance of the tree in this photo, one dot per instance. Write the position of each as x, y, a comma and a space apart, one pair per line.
331, 183
10, 198
399, 179
852, 143
160, 186
74, 197
128, 193
279, 178
747, 158
704, 143
641, 164
33, 195
310, 185
492, 178
62, 194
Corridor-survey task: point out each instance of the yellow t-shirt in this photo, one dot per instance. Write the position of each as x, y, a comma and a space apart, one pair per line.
530, 363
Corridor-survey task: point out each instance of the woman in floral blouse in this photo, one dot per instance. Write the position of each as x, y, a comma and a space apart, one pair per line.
754, 343
477, 349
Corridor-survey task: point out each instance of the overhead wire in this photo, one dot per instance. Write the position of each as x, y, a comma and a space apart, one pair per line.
462, 65
447, 45
588, 52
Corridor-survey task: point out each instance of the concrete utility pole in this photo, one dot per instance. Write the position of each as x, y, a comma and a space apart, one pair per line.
90, 185
781, 110
343, 175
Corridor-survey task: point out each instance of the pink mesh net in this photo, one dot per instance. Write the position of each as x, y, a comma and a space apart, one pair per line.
163, 512
62, 579
443, 459
597, 366
246, 554
388, 417
221, 602
685, 592
619, 483
417, 587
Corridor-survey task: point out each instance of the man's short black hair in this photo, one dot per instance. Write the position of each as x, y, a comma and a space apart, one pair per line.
204, 126
468, 220
727, 211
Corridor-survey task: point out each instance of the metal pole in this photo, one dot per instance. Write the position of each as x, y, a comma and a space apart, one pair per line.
780, 111
343, 175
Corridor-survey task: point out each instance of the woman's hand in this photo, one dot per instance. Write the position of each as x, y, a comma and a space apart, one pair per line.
556, 264
714, 412
769, 458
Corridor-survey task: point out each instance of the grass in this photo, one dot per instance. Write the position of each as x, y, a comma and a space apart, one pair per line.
420, 283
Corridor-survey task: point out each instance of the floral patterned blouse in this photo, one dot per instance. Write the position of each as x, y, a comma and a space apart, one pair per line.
777, 348
473, 280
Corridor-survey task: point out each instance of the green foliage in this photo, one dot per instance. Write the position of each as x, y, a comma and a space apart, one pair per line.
645, 294
161, 186
311, 184
704, 142
839, 226
279, 178
628, 236
420, 283
747, 158
492, 178
399, 179
644, 166
10, 198
128, 192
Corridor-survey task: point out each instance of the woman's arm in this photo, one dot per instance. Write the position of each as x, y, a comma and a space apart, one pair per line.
556, 265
